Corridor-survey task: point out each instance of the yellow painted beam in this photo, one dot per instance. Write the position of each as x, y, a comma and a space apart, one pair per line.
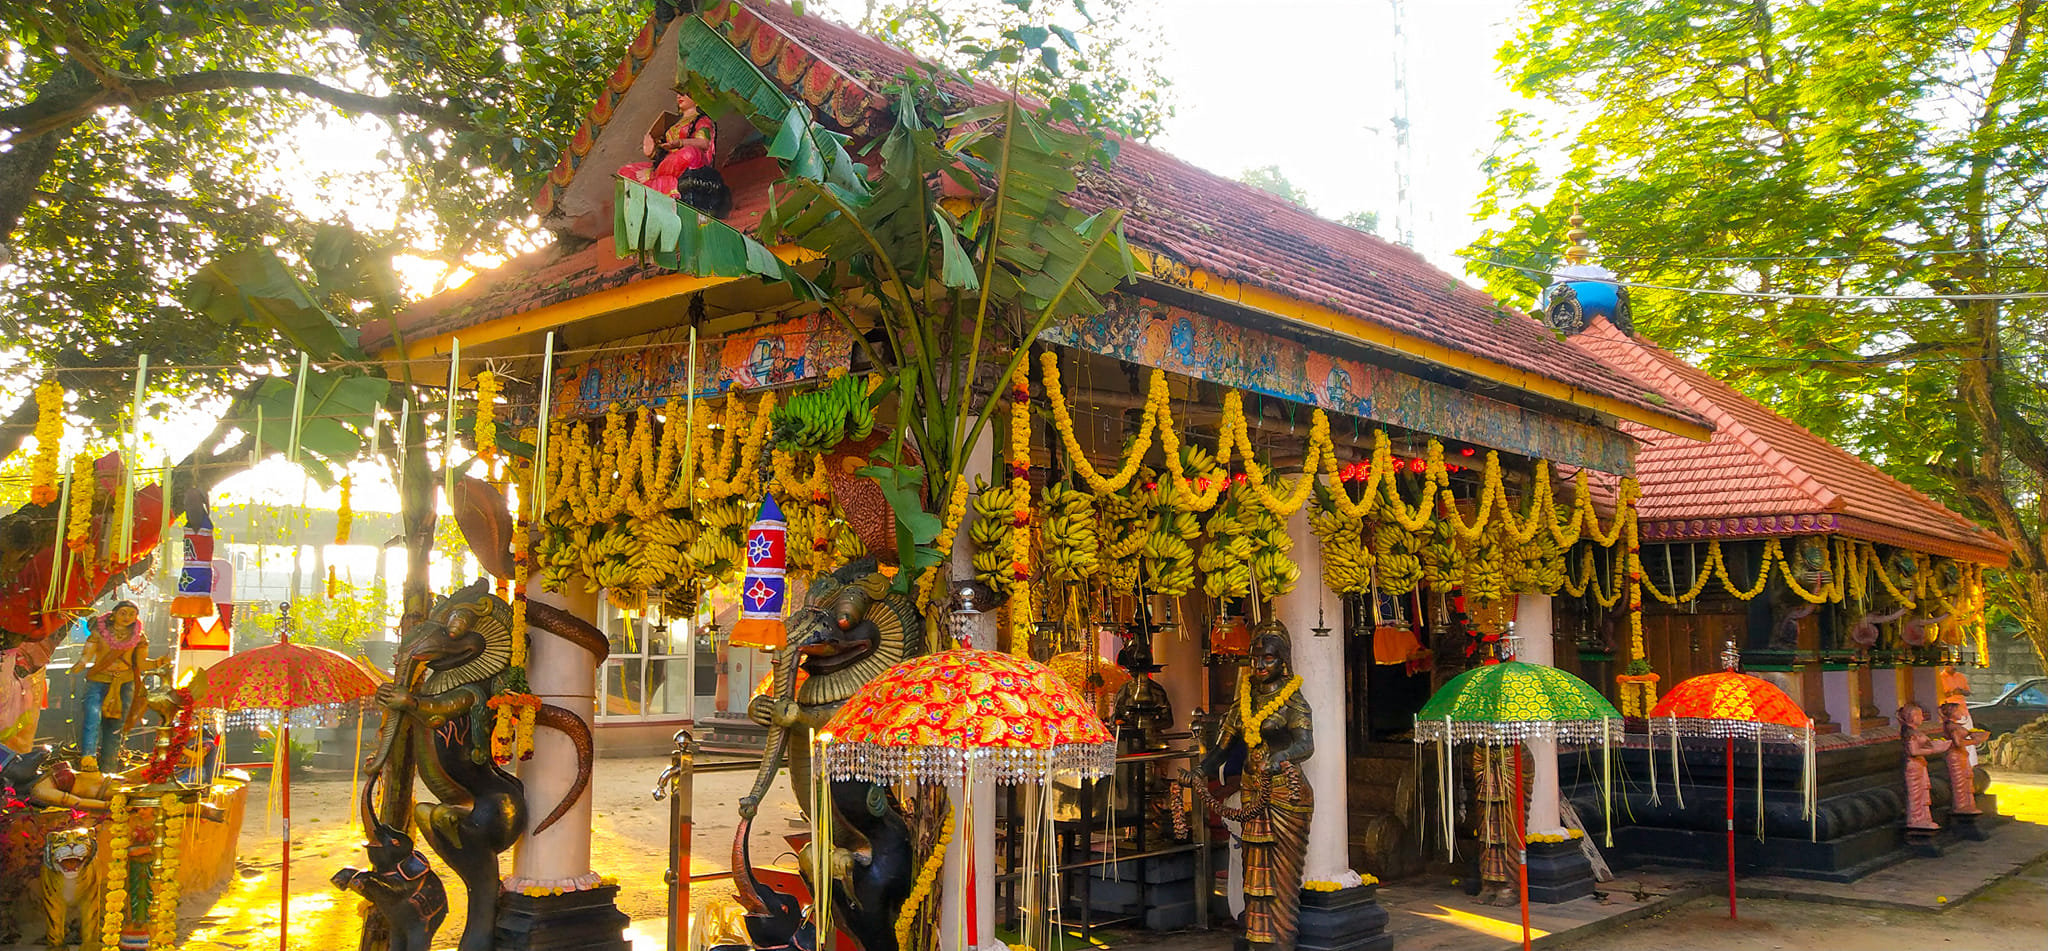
1288, 308
608, 301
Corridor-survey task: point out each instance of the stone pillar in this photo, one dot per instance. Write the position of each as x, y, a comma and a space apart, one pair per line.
1835, 688
563, 675
1812, 688
1320, 662
585, 916
1865, 714
1533, 624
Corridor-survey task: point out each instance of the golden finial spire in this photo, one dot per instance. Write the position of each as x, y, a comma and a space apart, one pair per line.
1577, 235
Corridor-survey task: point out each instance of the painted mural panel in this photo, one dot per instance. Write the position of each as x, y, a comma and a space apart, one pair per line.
787, 352
1182, 341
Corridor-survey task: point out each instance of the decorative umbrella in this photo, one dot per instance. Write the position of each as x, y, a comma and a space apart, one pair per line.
961, 714
273, 684
1731, 705
1504, 704
1096, 679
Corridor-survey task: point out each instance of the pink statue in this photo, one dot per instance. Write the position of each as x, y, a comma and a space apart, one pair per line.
1919, 746
680, 148
1955, 723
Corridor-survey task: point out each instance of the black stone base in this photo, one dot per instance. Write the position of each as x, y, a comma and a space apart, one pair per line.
583, 921
1967, 827
1923, 843
1559, 872
1349, 919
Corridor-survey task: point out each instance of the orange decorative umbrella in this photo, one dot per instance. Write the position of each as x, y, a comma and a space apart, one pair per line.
274, 684
1732, 705
928, 719
960, 715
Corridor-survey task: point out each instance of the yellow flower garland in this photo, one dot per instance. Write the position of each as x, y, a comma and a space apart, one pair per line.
1020, 520
344, 514
487, 415
927, 878
114, 897
79, 523
1254, 721
49, 443
163, 898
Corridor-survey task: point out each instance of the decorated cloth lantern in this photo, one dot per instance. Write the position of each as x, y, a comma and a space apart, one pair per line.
764, 591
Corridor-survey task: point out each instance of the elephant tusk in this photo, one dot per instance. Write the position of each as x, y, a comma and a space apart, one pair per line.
572, 726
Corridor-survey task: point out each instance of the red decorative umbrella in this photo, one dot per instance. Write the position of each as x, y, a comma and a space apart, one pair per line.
962, 714
273, 684
1731, 705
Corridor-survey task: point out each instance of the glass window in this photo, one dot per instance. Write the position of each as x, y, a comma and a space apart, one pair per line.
2031, 697
646, 677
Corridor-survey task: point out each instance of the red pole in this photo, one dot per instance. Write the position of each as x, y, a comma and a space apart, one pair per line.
1731, 825
284, 895
1522, 844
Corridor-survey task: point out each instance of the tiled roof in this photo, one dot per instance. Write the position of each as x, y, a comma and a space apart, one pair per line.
1194, 218
1766, 471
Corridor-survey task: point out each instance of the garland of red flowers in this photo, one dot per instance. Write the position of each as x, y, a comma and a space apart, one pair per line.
164, 766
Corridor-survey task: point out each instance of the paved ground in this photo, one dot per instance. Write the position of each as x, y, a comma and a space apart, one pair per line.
1647, 911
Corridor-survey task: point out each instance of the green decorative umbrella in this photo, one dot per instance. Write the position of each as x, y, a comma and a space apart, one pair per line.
1506, 704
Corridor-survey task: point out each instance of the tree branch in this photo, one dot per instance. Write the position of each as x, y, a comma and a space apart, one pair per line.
61, 110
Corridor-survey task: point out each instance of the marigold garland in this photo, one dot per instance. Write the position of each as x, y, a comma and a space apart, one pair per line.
49, 443
927, 879
78, 532
1254, 721
487, 416
114, 897
1020, 500
164, 891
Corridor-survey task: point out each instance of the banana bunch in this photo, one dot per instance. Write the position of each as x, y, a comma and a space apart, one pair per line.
614, 559
1122, 520
1486, 576
1272, 570
1199, 463
823, 418
1169, 559
717, 551
1225, 561
1537, 566
846, 545
1393, 551
1443, 560
993, 529
1347, 560
1071, 544
812, 536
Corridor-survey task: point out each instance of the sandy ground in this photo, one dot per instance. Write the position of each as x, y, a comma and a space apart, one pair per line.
631, 834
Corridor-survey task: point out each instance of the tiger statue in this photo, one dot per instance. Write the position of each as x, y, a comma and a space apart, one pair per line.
72, 881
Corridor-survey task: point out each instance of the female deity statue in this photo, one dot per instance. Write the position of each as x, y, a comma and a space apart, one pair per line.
1962, 785
1918, 746
680, 149
116, 657
1271, 725
1493, 785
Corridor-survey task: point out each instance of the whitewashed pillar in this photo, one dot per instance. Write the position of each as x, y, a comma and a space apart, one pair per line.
1534, 625
983, 634
1320, 662
565, 675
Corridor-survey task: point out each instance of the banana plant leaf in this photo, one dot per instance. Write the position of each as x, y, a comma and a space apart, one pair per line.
253, 288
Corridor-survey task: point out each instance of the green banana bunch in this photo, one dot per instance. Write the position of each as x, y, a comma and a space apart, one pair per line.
1273, 571
1486, 568
1393, 550
1122, 528
823, 418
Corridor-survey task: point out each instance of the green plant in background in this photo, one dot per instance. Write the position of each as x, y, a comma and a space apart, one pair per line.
356, 614
1883, 161
301, 753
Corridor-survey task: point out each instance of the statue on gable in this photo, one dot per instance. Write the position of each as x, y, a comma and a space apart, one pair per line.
681, 148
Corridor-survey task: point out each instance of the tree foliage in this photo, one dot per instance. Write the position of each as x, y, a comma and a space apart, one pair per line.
144, 139
1102, 71
1270, 179
1848, 149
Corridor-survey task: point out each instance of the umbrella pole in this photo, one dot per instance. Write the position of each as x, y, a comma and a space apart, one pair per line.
1521, 843
283, 771
1730, 810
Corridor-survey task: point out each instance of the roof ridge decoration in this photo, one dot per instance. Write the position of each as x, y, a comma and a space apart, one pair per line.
580, 143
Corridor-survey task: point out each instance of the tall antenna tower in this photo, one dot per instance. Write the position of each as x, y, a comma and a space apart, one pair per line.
1404, 159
